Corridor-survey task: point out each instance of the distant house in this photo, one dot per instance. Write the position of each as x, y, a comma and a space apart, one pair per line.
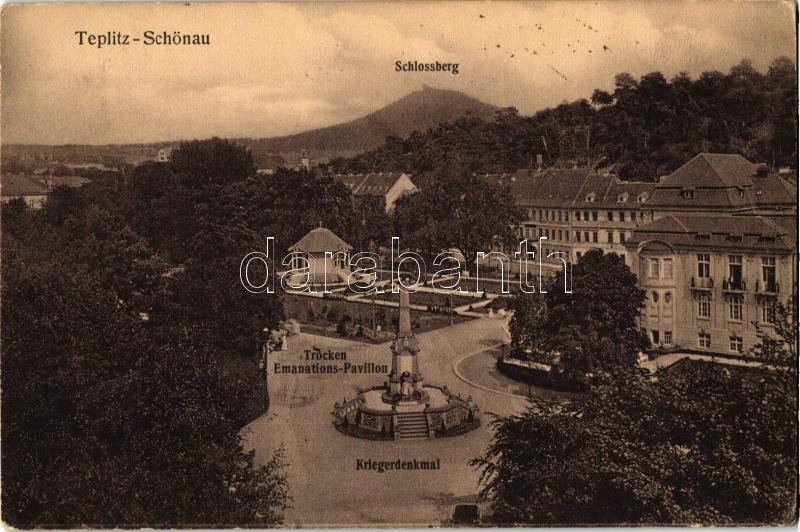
164, 155
320, 268
31, 191
388, 186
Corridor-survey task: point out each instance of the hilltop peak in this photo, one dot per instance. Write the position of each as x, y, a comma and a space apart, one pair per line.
418, 110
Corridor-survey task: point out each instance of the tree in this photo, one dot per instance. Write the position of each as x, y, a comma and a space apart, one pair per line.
213, 161
109, 420
698, 444
601, 97
591, 329
526, 327
778, 340
456, 210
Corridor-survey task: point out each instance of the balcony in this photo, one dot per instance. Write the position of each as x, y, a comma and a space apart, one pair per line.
731, 285
770, 288
702, 283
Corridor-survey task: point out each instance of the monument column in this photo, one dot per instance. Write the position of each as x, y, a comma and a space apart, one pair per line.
405, 380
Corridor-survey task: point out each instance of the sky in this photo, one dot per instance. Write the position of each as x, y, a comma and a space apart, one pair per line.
279, 68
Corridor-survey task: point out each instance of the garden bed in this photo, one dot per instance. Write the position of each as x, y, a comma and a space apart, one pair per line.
325, 316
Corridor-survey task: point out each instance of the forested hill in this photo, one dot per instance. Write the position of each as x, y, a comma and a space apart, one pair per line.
421, 109
644, 128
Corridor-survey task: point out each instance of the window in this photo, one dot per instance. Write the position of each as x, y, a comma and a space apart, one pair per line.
655, 297
735, 308
577, 216
667, 268
566, 235
768, 273
703, 340
609, 237
667, 337
590, 197
594, 216
668, 298
653, 268
595, 237
704, 306
735, 270
530, 214
641, 216
736, 344
688, 194
641, 197
767, 310
622, 198
577, 236
559, 216
704, 265
578, 255
559, 233
585, 216
621, 216
656, 339
610, 216
622, 237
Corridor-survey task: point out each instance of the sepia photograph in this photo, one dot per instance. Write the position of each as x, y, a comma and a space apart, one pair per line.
399, 264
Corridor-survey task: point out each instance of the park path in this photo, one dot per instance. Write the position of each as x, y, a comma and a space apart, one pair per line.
326, 487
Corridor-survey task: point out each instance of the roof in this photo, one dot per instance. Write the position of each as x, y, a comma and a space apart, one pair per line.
722, 181
372, 184
20, 185
722, 231
606, 190
320, 240
713, 170
572, 187
554, 187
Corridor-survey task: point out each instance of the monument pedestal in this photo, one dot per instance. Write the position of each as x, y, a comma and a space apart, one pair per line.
403, 408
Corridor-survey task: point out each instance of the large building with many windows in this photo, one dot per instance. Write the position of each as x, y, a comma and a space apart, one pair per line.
713, 243
575, 210
720, 252
708, 278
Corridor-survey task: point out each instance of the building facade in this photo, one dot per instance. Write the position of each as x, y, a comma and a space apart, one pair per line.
388, 187
713, 243
720, 252
575, 210
708, 278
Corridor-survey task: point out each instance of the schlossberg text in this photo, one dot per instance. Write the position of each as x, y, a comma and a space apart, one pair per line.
257, 270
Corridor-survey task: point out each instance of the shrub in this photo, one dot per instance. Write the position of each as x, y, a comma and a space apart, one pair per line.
341, 327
